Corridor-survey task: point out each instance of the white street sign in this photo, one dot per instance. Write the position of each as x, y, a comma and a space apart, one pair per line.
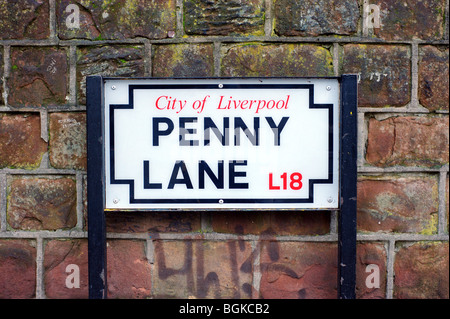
221, 143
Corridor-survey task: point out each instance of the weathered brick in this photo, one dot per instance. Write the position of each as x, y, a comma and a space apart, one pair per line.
316, 17
116, 19
202, 269
373, 254
224, 17
409, 141
384, 73
155, 222
447, 186
276, 60
422, 271
433, 78
42, 203
407, 204
298, 270
67, 144
21, 145
183, 60
17, 269
2, 101
264, 223
129, 272
410, 19
27, 19
39, 76
59, 277
123, 61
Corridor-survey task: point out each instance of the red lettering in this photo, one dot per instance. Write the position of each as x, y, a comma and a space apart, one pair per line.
157, 101
271, 182
295, 181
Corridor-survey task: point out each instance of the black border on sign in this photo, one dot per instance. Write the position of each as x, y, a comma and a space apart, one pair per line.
224, 200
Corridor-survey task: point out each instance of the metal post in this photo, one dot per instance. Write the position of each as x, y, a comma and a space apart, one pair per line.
95, 191
348, 169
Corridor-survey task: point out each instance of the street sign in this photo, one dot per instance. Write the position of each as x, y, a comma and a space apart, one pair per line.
212, 144
221, 143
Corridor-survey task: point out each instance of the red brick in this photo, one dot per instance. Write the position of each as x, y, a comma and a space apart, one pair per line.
398, 204
58, 255
433, 78
280, 223
26, 19
316, 17
276, 60
447, 186
183, 60
203, 269
153, 222
129, 272
298, 270
384, 73
39, 77
410, 19
68, 140
21, 145
17, 269
408, 141
118, 19
373, 254
42, 203
1, 76
422, 271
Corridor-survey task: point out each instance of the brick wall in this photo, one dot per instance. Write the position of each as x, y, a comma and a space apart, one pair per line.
403, 147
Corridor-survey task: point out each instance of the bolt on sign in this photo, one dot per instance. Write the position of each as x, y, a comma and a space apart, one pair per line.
221, 143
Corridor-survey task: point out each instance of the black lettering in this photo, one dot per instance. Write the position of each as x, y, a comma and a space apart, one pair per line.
217, 180
277, 129
186, 180
210, 125
233, 174
184, 131
157, 132
253, 138
147, 184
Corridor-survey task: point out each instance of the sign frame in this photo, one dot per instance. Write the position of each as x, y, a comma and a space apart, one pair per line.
96, 177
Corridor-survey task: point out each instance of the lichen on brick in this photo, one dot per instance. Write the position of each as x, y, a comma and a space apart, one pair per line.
224, 17
384, 73
108, 60
183, 60
118, 19
39, 77
411, 19
254, 59
42, 203
67, 143
434, 77
26, 19
316, 17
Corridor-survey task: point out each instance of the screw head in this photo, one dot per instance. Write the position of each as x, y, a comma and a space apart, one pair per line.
330, 199
113, 87
220, 85
220, 201
115, 201
328, 88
